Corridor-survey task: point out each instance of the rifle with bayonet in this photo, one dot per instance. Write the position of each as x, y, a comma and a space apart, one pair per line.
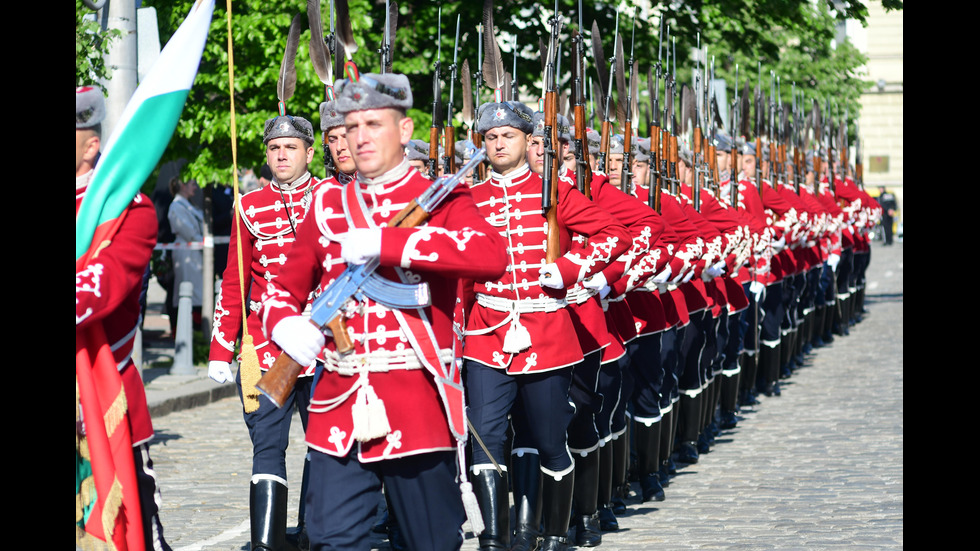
583, 170
759, 110
653, 88
450, 128
733, 154
626, 180
433, 163
607, 84
391, 23
672, 158
360, 281
552, 164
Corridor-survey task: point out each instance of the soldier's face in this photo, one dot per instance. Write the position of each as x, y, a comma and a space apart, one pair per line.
569, 160
377, 139
506, 147
288, 158
641, 173
535, 154
339, 150
748, 165
615, 168
723, 158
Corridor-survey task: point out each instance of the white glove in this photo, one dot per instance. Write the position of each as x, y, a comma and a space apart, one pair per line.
688, 276
604, 292
549, 276
757, 289
715, 270
779, 245
595, 282
833, 260
220, 372
298, 338
361, 245
663, 277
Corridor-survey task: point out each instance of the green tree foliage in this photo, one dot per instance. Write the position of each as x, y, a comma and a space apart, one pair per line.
91, 46
793, 39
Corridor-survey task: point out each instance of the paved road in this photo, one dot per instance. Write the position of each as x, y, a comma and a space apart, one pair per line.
818, 468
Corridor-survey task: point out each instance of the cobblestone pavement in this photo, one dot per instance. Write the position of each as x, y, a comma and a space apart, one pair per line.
818, 468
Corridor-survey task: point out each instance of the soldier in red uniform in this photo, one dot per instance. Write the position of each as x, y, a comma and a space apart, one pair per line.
383, 413
335, 143
520, 340
267, 222
108, 292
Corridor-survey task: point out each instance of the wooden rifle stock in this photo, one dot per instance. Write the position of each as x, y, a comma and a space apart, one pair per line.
553, 250
481, 169
450, 137
584, 165
433, 152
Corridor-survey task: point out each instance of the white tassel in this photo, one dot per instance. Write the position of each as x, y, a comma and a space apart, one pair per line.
369, 414
517, 338
472, 508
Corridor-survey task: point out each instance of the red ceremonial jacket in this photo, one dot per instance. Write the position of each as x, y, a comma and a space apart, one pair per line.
107, 291
456, 242
541, 333
267, 218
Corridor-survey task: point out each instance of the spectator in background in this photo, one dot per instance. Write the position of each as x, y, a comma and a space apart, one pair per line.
187, 223
889, 208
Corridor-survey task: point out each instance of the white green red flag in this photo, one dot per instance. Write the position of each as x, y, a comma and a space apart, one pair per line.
107, 497
143, 131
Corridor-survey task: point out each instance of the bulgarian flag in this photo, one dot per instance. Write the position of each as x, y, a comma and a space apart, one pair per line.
107, 498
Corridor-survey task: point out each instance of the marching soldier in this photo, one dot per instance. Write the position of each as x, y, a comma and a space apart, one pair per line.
268, 219
382, 413
519, 348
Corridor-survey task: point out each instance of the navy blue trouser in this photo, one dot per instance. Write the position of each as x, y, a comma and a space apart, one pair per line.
541, 420
342, 500
268, 427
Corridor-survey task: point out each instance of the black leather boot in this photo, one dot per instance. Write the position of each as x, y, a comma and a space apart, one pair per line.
621, 457
585, 498
728, 401
687, 431
490, 489
666, 446
297, 537
526, 481
648, 460
607, 518
267, 501
556, 507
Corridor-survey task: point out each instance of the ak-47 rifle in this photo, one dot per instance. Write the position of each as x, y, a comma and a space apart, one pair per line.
433, 162
626, 180
552, 164
358, 281
450, 128
583, 170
